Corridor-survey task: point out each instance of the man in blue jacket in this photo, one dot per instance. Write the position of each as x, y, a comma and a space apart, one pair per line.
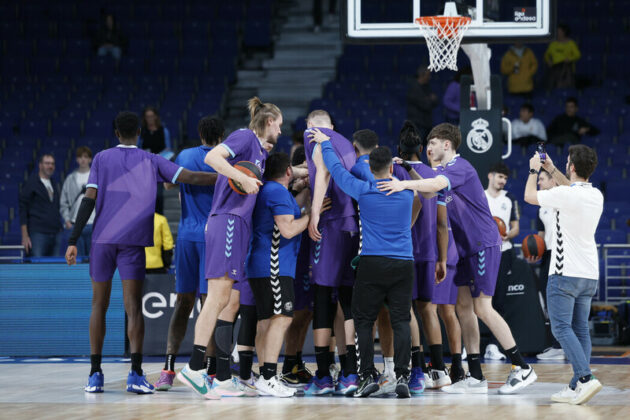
39, 211
385, 269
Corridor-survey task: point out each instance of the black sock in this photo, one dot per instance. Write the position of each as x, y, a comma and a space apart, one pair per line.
350, 367
300, 362
321, 357
223, 338
289, 363
169, 364
246, 360
136, 363
474, 366
196, 358
437, 362
415, 357
331, 358
456, 361
269, 370
95, 360
516, 358
423, 364
585, 379
342, 362
211, 365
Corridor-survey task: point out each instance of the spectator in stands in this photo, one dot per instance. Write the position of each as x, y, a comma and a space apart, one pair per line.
109, 39
71, 195
451, 99
561, 56
527, 129
154, 137
568, 127
39, 211
160, 255
519, 64
421, 102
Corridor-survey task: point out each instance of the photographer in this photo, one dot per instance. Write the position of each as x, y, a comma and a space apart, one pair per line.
574, 269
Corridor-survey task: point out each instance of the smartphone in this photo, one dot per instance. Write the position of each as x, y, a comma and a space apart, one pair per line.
541, 152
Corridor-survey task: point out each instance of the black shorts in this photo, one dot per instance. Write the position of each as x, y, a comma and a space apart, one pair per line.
273, 296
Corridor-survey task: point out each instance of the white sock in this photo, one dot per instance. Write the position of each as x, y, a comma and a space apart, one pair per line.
389, 365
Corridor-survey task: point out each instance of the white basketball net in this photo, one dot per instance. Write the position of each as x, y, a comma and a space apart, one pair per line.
443, 35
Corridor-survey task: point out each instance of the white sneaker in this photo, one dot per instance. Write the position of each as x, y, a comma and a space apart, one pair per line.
493, 353
565, 396
198, 381
334, 372
469, 385
234, 355
386, 385
228, 388
551, 354
440, 378
273, 387
428, 381
248, 387
586, 391
464, 354
518, 379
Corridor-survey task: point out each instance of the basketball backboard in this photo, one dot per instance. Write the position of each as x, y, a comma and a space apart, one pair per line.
493, 21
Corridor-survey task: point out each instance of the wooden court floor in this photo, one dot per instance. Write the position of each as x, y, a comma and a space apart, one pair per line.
54, 391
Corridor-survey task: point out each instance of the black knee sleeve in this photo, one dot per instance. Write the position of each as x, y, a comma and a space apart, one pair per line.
345, 300
323, 308
247, 330
223, 337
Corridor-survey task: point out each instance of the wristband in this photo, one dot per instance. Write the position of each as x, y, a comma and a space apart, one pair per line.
406, 166
532, 171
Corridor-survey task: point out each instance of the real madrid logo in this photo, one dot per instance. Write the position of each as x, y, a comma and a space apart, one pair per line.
479, 139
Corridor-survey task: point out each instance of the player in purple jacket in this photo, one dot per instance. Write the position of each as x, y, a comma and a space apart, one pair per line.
123, 188
228, 233
480, 254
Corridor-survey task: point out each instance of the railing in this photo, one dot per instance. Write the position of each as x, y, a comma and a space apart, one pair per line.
616, 272
19, 252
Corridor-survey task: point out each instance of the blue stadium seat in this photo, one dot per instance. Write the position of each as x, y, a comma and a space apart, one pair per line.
607, 236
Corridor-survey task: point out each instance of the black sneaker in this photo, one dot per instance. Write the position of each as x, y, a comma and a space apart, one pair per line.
304, 375
402, 386
298, 377
368, 384
457, 373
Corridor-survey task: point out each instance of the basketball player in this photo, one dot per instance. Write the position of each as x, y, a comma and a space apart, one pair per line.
228, 232
294, 371
278, 224
574, 271
364, 142
475, 232
545, 225
430, 229
123, 188
335, 244
385, 268
196, 202
503, 205
445, 295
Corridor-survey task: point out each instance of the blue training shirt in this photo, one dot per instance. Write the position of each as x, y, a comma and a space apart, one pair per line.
361, 169
385, 220
267, 245
196, 200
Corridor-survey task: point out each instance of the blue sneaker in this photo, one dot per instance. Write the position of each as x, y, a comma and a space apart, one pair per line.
321, 386
416, 381
347, 385
95, 383
138, 384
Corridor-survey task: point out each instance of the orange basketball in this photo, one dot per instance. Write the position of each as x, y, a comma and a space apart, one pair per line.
501, 225
533, 246
248, 169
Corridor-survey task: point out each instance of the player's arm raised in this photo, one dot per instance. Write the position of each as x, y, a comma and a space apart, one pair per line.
217, 159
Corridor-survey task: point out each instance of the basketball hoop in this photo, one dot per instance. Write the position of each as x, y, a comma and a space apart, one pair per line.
443, 35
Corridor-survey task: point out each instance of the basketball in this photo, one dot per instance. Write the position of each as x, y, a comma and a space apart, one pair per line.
533, 246
248, 169
501, 225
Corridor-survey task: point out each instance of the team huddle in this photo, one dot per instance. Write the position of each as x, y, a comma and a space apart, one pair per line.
341, 233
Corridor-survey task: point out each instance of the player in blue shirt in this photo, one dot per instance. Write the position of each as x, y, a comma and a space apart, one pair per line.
196, 202
277, 227
385, 269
